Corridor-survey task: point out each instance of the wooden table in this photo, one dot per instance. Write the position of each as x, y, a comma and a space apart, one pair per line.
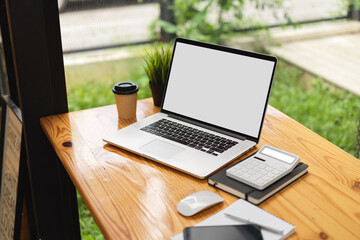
131, 197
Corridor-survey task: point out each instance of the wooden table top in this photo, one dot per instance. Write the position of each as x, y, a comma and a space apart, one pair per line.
131, 197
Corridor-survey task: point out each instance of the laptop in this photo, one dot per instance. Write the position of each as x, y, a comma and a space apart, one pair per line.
213, 109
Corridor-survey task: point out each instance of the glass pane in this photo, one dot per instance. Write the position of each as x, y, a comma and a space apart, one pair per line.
94, 24
104, 42
100, 42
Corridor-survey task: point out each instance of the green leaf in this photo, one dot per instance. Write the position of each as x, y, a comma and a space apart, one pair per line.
168, 27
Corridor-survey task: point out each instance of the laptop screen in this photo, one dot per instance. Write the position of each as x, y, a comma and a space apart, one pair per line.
222, 87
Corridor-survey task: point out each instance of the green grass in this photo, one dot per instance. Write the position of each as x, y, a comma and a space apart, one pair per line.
94, 92
88, 227
332, 114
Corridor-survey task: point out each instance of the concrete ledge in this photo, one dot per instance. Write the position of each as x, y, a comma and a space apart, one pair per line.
332, 55
318, 30
280, 35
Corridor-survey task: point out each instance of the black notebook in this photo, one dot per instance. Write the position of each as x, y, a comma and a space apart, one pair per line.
253, 195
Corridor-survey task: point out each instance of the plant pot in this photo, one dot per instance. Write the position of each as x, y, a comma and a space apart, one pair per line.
157, 92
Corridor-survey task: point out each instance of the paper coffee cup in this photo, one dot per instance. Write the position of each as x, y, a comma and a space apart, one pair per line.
125, 97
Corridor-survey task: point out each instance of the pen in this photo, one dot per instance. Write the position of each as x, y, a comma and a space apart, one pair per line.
254, 222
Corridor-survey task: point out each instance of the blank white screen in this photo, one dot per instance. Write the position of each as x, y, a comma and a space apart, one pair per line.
220, 88
278, 155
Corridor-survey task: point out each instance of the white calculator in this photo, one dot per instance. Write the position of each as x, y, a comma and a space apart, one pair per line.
265, 167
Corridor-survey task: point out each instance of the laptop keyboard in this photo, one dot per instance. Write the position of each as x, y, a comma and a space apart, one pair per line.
192, 137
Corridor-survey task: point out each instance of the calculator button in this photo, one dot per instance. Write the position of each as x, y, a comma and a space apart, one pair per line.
271, 175
262, 172
258, 175
246, 175
242, 170
265, 179
253, 178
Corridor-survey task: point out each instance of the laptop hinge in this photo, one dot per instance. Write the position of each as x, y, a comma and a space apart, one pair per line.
207, 126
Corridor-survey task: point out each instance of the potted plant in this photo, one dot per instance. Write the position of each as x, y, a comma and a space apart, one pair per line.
156, 66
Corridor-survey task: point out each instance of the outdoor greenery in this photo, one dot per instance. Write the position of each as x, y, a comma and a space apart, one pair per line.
213, 21
94, 88
88, 227
157, 64
217, 20
333, 114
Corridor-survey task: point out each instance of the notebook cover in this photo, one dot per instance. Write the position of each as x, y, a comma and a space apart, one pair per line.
242, 190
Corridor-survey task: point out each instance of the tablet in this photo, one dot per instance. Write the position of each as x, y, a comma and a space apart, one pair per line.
226, 232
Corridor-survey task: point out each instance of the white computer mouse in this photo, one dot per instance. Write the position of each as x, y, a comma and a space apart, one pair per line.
198, 202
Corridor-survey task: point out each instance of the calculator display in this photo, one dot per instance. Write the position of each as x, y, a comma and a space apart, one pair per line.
278, 155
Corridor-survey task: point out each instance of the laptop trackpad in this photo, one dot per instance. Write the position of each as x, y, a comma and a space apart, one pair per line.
161, 149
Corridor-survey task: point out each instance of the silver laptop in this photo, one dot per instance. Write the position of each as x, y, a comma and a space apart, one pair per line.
212, 112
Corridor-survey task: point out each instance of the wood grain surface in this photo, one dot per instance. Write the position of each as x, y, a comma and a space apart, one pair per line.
131, 197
